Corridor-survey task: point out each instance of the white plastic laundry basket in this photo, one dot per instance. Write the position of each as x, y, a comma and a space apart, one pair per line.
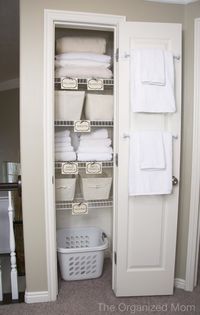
81, 252
65, 188
68, 105
99, 107
95, 187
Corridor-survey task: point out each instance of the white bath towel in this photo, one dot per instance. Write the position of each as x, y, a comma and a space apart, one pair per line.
84, 56
151, 150
62, 140
67, 148
96, 149
62, 133
81, 44
94, 156
152, 66
152, 98
82, 72
101, 133
150, 182
81, 62
65, 156
95, 142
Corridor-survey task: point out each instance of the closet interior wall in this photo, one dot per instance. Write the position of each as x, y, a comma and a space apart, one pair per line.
100, 217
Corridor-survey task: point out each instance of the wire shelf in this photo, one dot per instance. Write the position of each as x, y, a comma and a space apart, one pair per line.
82, 165
68, 123
67, 205
78, 83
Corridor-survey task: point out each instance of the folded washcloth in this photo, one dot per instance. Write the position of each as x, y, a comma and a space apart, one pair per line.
83, 72
84, 56
81, 44
96, 149
65, 156
149, 181
62, 133
152, 66
94, 156
101, 133
82, 63
151, 150
95, 142
149, 97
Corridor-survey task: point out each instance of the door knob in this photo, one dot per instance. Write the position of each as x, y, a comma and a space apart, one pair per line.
174, 181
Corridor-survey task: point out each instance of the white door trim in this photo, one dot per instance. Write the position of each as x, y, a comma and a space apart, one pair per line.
194, 220
52, 17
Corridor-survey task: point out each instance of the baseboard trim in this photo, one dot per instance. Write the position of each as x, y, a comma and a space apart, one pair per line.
179, 283
36, 297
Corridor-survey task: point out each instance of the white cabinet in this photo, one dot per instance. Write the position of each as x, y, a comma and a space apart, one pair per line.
141, 229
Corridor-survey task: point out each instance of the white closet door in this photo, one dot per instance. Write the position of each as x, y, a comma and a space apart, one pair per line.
146, 226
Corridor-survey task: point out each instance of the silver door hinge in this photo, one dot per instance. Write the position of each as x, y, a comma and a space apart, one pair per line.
117, 54
116, 159
115, 257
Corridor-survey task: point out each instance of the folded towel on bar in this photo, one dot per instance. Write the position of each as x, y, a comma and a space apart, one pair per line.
65, 156
62, 133
95, 142
82, 72
151, 150
149, 181
101, 133
81, 62
94, 156
81, 44
152, 66
149, 97
96, 149
84, 56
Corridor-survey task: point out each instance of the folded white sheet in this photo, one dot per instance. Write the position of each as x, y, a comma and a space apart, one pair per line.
81, 44
95, 142
152, 66
150, 97
94, 156
99, 107
84, 56
149, 182
101, 133
96, 149
83, 72
65, 156
151, 150
81, 62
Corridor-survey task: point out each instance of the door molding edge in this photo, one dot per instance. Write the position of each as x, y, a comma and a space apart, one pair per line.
194, 217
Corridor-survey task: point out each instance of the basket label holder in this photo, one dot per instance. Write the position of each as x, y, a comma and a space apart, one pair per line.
93, 167
95, 84
69, 83
79, 208
69, 168
82, 126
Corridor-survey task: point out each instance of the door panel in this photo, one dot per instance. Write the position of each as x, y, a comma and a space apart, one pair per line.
146, 226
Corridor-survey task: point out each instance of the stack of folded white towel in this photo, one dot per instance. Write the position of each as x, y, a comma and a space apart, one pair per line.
82, 57
64, 151
95, 147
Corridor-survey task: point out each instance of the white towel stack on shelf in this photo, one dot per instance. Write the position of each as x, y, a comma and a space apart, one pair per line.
64, 151
82, 57
95, 147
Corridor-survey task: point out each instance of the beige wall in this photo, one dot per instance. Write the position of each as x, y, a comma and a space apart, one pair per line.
31, 24
9, 127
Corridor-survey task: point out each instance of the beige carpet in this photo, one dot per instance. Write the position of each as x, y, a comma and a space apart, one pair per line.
84, 298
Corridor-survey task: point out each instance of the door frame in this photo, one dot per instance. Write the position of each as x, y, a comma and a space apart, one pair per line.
52, 18
194, 218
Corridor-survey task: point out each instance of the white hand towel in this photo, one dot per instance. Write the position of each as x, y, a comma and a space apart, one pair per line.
152, 66
101, 133
85, 63
84, 56
96, 149
150, 182
65, 156
151, 150
94, 156
81, 44
95, 142
152, 98
82, 72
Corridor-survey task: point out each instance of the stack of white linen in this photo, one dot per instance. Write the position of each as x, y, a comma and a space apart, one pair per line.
82, 57
95, 147
64, 151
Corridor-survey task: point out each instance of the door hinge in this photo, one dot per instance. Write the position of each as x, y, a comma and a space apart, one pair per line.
117, 54
116, 159
115, 257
